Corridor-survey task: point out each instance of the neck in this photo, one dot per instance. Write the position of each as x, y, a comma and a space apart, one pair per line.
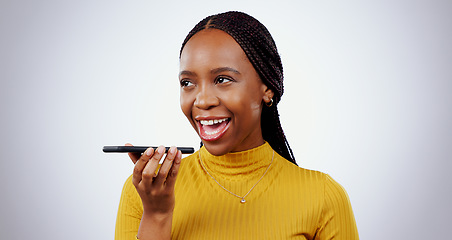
232, 164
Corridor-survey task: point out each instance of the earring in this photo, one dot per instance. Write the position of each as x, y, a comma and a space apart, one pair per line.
269, 104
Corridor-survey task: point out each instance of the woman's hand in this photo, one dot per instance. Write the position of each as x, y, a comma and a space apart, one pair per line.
156, 189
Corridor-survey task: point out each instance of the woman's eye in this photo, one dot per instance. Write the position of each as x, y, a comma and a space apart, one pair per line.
220, 80
185, 83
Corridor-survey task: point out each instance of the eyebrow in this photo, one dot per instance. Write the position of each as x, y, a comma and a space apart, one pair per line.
213, 71
224, 69
186, 72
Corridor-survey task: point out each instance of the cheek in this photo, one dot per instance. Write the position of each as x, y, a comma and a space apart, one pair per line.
185, 105
245, 103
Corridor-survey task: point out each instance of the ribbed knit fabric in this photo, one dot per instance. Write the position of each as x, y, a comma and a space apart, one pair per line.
288, 203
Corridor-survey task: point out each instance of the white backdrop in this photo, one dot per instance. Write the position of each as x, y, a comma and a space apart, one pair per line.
367, 100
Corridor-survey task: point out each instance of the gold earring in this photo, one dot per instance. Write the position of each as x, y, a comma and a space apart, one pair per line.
269, 104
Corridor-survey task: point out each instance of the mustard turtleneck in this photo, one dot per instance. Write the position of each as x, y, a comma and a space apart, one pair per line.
289, 202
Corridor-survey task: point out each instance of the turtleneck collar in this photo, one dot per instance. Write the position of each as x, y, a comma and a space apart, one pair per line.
250, 162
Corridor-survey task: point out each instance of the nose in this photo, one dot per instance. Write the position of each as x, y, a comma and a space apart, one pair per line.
206, 98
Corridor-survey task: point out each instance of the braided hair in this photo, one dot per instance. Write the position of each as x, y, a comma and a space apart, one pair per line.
260, 48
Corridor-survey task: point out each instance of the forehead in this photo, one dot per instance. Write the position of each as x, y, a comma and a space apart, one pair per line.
211, 36
212, 46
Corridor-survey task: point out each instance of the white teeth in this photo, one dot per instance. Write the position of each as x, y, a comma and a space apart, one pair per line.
212, 122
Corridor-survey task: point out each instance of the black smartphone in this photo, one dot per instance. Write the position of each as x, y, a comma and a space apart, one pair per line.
141, 149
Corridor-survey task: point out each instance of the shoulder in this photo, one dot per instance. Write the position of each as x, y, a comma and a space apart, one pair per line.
327, 196
336, 197
337, 213
129, 191
297, 173
130, 202
128, 185
312, 180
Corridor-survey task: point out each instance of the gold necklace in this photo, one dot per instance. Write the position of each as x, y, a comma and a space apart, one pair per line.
242, 199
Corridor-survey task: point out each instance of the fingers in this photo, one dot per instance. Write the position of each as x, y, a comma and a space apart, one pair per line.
166, 165
145, 171
171, 178
140, 164
149, 171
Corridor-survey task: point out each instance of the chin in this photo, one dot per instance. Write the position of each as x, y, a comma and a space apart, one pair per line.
216, 149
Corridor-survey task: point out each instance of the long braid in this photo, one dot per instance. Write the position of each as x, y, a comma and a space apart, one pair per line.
260, 48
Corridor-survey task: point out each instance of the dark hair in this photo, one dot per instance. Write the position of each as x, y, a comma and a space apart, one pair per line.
260, 48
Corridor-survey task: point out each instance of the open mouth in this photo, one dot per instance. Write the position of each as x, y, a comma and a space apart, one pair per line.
212, 129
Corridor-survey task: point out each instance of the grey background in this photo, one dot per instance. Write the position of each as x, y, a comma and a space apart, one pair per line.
367, 100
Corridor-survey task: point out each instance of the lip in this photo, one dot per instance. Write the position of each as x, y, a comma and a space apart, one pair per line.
215, 135
199, 118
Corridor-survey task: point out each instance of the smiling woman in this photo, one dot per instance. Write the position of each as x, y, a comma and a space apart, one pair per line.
243, 183
222, 85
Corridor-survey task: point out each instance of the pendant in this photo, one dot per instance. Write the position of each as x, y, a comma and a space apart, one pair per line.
243, 200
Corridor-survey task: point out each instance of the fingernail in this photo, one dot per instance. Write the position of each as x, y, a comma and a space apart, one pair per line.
148, 152
179, 157
173, 150
161, 149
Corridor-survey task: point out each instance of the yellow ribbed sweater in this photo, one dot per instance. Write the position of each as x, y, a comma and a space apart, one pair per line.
288, 203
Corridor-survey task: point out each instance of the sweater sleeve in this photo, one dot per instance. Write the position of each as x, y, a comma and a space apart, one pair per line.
337, 221
129, 213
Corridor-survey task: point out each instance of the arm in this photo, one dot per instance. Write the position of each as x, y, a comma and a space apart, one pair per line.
129, 213
337, 221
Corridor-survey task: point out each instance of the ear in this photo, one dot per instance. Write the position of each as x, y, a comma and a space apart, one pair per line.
268, 95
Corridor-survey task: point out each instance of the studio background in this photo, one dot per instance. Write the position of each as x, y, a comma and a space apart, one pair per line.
367, 100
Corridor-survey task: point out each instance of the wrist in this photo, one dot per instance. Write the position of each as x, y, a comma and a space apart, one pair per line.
155, 225
157, 217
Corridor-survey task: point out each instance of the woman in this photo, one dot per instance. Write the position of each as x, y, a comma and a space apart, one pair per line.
243, 183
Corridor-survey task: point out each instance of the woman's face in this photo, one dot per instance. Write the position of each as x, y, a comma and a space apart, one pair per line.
221, 93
